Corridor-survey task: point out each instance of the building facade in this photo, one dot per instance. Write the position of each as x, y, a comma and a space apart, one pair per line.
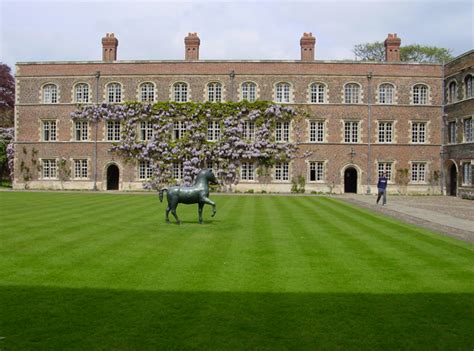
458, 150
363, 118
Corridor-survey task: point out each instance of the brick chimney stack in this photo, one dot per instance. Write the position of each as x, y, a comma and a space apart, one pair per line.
109, 48
392, 48
191, 47
307, 43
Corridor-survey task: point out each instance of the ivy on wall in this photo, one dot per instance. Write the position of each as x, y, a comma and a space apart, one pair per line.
193, 148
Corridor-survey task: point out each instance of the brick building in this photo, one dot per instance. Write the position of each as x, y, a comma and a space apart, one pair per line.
364, 117
458, 150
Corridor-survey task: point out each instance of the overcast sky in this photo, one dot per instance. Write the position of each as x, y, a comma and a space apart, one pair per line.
154, 30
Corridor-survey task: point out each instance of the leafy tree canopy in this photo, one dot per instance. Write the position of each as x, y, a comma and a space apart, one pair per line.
411, 53
7, 96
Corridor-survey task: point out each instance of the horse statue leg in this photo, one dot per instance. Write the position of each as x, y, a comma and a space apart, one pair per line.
168, 209
206, 200
200, 207
173, 211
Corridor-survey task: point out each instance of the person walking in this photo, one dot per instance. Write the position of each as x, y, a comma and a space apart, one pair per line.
382, 187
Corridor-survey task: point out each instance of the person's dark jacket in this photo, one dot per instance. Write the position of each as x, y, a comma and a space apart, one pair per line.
382, 184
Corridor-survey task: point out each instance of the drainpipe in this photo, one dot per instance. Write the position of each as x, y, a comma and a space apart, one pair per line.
97, 77
443, 133
232, 77
369, 110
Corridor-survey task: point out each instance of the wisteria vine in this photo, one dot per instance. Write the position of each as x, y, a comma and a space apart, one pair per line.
192, 148
7, 138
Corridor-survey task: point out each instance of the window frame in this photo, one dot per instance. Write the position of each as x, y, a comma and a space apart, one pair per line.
315, 133
283, 92
316, 96
384, 132
75, 93
416, 132
247, 171
466, 168
80, 131
111, 135
415, 168
350, 132
51, 169
349, 93
282, 172
214, 92
114, 96
143, 96
282, 132
244, 90
81, 166
418, 97
467, 130
213, 131
49, 130
145, 171
146, 130
177, 94
384, 95
319, 172
468, 88
49, 97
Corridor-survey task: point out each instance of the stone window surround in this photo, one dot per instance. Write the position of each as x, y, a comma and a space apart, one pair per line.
41, 129
188, 90
274, 172
139, 90
73, 93
427, 131
428, 94
240, 89
106, 92
40, 161
394, 134
325, 94
291, 92
360, 97
394, 96
206, 91
308, 167
58, 93
427, 168
448, 98
325, 131
254, 171
464, 92
72, 159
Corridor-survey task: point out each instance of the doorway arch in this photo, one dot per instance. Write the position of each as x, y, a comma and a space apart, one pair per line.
350, 180
453, 180
113, 177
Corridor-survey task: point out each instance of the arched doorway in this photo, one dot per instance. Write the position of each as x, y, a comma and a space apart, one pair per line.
350, 180
113, 176
453, 180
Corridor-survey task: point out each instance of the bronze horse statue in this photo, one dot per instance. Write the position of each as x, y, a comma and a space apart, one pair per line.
197, 193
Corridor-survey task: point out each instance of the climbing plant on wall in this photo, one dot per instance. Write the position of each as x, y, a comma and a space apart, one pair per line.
228, 145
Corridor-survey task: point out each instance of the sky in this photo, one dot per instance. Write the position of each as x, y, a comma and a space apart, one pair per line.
71, 30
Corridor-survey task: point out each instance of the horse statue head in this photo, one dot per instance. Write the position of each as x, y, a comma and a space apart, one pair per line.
206, 175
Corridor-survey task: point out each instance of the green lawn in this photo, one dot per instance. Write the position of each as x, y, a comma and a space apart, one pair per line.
105, 272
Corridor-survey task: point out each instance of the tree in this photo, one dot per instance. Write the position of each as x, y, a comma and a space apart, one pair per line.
411, 53
7, 96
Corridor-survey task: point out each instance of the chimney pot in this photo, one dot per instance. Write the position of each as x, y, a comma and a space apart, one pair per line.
109, 47
307, 43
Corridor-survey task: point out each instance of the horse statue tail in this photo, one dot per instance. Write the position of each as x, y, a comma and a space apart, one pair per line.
161, 193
